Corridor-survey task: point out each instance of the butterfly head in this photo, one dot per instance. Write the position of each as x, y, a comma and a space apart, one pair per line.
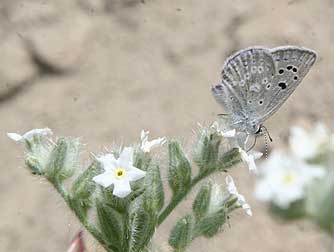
253, 128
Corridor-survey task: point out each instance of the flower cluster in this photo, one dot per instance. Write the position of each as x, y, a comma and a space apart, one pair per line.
124, 190
298, 181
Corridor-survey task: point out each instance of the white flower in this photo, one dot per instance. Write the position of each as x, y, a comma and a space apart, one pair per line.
232, 189
306, 144
228, 133
146, 145
29, 135
119, 172
250, 158
284, 179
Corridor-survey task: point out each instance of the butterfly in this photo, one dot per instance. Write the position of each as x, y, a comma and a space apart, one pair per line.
256, 82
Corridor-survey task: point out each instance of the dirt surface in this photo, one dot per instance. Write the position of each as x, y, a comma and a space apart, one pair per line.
104, 70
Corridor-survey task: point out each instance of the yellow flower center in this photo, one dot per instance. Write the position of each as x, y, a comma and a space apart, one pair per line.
119, 173
289, 177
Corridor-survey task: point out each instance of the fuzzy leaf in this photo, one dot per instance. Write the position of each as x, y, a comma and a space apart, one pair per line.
181, 234
111, 225
142, 160
202, 201
179, 176
210, 225
207, 150
56, 161
121, 205
154, 192
82, 189
141, 226
229, 159
84, 186
33, 164
71, 162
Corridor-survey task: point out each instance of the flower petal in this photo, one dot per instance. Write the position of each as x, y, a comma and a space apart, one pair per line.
247, 209
249, 159
108, 161
229, 133
231, 188
126, 157
146, 146
122, 188
256, 154
15, 137
134, 174
31, 133
105, 179
144, 135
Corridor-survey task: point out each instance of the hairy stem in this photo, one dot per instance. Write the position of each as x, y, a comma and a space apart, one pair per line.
60, 189
178, 198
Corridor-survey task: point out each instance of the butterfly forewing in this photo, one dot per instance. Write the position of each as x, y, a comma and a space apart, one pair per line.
292, 64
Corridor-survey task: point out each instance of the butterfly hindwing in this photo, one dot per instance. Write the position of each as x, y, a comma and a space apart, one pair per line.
243, 76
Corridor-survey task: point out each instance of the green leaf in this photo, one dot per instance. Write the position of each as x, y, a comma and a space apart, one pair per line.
320, 202
229, 159
71, 162
207, 150
202, 201
141, 226
121, 205
210, 225
142, 160
179, 176
33, 164
154, 192
56, 161
181, 234
111, 225
82, 189
84, 186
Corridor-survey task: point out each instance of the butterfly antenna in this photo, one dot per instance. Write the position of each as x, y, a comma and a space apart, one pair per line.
266, 140
267, 133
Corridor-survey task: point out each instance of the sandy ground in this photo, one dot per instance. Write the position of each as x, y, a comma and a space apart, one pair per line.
121, 66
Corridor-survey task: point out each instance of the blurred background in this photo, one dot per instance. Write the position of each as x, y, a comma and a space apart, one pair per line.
105, 69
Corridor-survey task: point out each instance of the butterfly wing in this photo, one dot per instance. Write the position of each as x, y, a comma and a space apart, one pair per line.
257, 81
292, 64
244, 75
